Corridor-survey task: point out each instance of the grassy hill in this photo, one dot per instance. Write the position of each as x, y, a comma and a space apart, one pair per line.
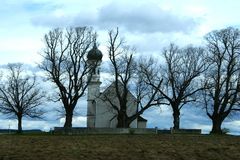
132, 147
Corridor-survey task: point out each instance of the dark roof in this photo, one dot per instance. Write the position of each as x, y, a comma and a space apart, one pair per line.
94, 53
112, 85
141, 119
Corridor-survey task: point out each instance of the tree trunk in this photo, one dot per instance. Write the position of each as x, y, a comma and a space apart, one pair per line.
19, 124
68, 120
216, 126
122, 121
176, 118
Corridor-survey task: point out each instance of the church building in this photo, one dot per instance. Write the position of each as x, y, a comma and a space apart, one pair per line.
100, 113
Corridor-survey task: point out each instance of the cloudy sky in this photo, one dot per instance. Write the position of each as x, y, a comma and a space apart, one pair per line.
148, 25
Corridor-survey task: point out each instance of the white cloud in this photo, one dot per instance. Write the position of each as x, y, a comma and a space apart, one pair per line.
28, 124
78, 121
233, 126
145, 17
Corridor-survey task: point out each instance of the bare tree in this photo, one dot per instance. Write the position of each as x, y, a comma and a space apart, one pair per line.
125, 71
65, 62
147, 83
180, 77
19, 95
223, 77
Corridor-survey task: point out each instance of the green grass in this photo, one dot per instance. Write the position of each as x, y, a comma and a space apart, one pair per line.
133, 147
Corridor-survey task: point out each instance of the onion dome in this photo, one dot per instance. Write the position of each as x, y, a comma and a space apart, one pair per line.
94, 54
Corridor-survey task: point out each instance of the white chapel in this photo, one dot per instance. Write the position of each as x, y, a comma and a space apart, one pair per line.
100, 113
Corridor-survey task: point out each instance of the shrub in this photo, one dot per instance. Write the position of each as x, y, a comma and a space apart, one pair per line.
225, 130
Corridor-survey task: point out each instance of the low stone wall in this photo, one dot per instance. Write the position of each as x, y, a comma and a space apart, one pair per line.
83, 130
185, 131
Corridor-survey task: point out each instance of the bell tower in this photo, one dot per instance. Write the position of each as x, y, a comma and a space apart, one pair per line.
94, 57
